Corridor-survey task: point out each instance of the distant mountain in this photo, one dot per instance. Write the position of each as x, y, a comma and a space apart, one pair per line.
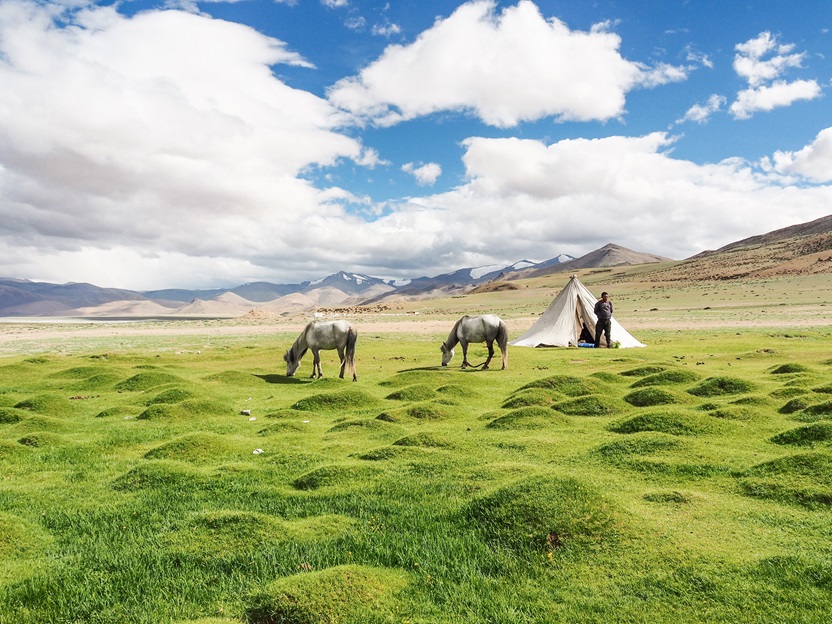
607, 256
26, 298
802, 249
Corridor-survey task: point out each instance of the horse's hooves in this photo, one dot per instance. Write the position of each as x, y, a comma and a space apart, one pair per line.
485, 367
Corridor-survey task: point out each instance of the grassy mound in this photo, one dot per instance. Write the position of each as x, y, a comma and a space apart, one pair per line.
155, 474
418, 392
324, 476
545, 512
48, 404
20, 538
650, 397
343, 593
737, 413
283, 427
456, 391
146, 380
795, 405
674, 423
184, 409
805, 435
423, 439
594, 405
534, 417
639, 444
789, 368
802, 479
565, 384
77, 372
174, 395
786, 393
41, 439
9, 416
97, 382
827, 389
330, 401
721, 386
673, 376
363, 425
200, 448
644, 371
816, 412
672, 496
233, 534
431, 411
530, 397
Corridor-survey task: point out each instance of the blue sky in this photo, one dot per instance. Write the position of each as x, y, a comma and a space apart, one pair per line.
203, 144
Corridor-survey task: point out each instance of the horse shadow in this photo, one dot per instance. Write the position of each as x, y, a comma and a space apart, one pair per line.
280, 379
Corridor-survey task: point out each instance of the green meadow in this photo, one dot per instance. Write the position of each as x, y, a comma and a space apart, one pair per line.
188, 480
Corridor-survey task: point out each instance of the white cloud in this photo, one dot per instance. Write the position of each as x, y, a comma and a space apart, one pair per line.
813, 162
426, 175
762, 61
769, 97
335, 4
387, 29
750, 64
189, 145
700, 113
506, 68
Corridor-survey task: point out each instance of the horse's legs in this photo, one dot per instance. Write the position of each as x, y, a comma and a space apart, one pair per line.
316, 364
465, 362
504, 353
490, 344
343, 361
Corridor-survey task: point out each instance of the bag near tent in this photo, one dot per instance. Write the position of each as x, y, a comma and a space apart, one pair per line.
568, 316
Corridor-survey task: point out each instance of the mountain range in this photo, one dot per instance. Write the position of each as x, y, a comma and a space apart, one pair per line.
799, 249
27, 298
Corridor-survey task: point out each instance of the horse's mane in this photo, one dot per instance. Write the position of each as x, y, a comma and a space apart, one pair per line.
296, 347
452, 337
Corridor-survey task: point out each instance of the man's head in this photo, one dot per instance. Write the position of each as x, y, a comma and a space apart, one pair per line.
605, 295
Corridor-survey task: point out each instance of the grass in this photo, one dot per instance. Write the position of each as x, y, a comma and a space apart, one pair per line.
190, 481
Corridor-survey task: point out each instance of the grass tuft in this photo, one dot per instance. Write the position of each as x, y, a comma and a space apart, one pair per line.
347, 593
532, 396
644, 371
534, 417
721, 386
673, 496
789, 368
595, 405
565, 384
343, 400
674, 423
417, 392
545, 512
673, 376
806, 435
649, 397
333, 475
147, 380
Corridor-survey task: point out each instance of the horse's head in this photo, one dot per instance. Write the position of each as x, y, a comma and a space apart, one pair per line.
292, 363
447, 354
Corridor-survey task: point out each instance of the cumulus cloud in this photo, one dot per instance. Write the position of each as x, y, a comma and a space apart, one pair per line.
505, 67
762, 61
775, 95
700, 113
189, 144
426, 175
813, 162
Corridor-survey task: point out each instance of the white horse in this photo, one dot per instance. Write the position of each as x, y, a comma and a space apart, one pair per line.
317, 335
468, 329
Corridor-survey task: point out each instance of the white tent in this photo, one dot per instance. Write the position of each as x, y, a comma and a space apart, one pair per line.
562, 322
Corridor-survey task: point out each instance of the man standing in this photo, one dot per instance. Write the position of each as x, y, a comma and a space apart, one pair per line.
603, 310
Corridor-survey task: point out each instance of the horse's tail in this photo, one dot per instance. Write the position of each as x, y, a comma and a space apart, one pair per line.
502, 342
349, 352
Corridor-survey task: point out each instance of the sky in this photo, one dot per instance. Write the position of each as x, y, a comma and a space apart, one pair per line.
188, 144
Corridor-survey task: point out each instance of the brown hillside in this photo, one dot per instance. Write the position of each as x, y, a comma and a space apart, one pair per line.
610, 255
803, 249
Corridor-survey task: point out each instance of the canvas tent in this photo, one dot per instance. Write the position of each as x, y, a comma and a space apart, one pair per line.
562, 322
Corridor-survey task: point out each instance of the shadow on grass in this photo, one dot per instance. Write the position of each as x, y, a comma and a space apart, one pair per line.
282, 379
